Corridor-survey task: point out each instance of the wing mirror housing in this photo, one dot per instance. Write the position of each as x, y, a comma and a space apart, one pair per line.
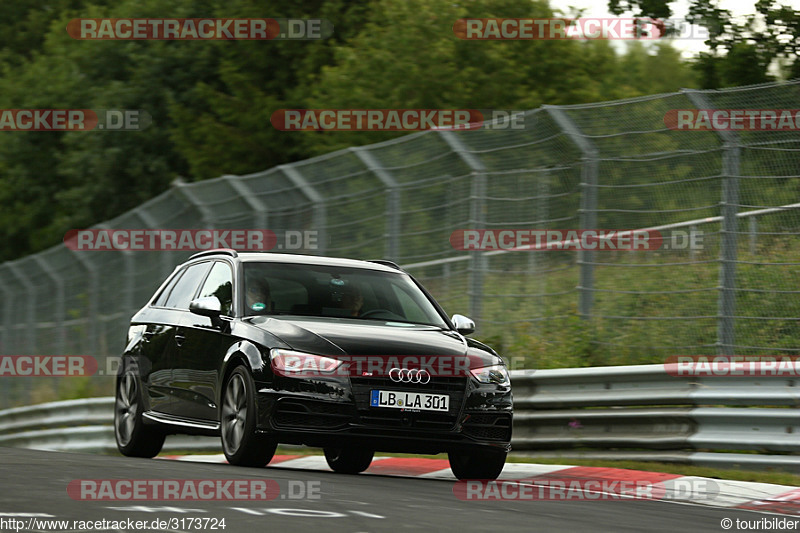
209, 306
463, 324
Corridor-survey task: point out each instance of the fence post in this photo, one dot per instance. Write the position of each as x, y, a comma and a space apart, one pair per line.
93, 295
477, 220
60, 308
30, 317
320, 216
261, 211
392, 201
150, 222
588, 210
726, 305
753, 228
185, 190
5, 340
8, 348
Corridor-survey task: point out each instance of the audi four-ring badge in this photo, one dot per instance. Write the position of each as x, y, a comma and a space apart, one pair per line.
354, 357
406, 375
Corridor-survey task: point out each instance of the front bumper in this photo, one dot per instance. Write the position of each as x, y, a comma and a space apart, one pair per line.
338, 414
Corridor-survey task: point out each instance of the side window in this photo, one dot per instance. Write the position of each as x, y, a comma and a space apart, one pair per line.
184, 290
220, 284
162, 298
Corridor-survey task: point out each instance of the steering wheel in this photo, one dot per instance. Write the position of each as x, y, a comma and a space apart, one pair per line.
375, 312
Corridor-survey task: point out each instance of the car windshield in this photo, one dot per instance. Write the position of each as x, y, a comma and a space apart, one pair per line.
337, 292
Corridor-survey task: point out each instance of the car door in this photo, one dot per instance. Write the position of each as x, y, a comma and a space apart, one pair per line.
166, 335
199, 357
153, 367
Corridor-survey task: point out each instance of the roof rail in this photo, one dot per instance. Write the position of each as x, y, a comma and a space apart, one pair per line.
216, 251
385, 262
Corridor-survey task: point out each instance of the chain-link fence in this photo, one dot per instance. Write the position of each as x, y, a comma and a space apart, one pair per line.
605, 165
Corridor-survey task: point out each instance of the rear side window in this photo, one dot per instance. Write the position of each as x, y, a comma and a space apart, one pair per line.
186, 287
220, 284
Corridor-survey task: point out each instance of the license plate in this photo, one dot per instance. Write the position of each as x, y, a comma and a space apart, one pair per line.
409, 400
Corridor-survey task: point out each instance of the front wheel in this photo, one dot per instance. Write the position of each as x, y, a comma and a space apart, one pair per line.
134, 437
477, 464
348, 460
242, 445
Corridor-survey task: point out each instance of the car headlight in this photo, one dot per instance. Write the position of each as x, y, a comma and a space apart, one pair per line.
299, 364
497, 374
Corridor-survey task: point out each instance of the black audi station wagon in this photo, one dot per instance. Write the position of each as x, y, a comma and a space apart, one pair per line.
350, 356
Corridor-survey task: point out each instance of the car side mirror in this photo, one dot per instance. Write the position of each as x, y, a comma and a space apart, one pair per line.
209, 306
464, 325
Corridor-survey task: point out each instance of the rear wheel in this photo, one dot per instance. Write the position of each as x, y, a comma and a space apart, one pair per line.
348, 460
477, 464
134, 437
242, 445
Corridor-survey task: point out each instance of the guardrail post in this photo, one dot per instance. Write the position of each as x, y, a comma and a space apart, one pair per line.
320, 216
477, 219
392, 201
726, 306
30, 317
588, 210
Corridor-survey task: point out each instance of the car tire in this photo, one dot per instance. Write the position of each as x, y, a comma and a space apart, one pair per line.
241, 443
348, 460
134, 437
477, 464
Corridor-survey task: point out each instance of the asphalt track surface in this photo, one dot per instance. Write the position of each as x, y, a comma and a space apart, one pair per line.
35, 482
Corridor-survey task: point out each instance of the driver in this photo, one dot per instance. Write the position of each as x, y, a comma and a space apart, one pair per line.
352, 300
257, 295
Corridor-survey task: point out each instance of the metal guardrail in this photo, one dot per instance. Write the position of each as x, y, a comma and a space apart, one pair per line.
84, 425
643, 413
624, 412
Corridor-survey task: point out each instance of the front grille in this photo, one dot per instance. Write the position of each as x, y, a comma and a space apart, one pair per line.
398, 418
489, 427
303, 414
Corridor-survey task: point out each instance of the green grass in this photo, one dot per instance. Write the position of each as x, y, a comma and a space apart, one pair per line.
534, 331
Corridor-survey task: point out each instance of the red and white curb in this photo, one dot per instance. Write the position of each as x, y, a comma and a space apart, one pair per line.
763, 497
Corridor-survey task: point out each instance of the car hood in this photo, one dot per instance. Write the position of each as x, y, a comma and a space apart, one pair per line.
363, 338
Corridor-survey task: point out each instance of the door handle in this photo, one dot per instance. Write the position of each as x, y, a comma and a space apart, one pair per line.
179, 336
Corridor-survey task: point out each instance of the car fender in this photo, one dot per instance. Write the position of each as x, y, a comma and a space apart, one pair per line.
246, 353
